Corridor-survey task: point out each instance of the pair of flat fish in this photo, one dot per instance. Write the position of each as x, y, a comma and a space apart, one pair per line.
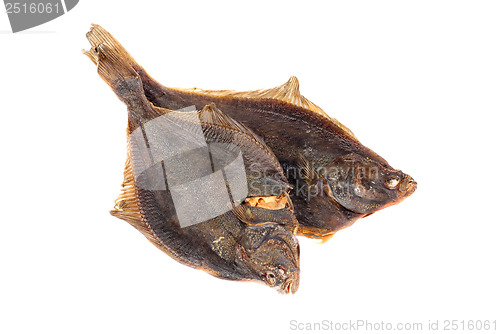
223, 181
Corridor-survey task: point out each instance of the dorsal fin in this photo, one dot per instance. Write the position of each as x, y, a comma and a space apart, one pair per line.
127, 207
287, 92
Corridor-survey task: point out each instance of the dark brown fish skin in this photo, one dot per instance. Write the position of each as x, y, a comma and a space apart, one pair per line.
292, 132
223, 246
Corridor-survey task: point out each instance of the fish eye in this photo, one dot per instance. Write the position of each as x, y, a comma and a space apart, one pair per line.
392, 182
270, 278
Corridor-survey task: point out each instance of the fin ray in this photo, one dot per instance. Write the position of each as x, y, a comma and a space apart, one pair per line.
127, 206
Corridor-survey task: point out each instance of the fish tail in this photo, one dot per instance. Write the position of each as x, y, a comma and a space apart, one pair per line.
115, 68
114, 64
116, 72
97, 35
120, 71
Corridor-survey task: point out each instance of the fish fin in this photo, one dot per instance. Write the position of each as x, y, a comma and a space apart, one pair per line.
244, 214
287, 92
97, 35
110, 67
115, 68
312, 232
127, 206
325, 238
114, 64
125, 82
92, 54
306, 170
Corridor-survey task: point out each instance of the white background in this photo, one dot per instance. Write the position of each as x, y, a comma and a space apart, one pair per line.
416, 81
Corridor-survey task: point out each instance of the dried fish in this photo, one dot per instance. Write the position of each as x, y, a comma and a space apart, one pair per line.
191, 182
336, 179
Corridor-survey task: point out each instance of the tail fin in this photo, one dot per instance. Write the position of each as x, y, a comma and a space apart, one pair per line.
115, 67
116, 72
97, 35
113, 62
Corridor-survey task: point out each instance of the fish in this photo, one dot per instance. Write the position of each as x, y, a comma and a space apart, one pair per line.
336, 180
202, 187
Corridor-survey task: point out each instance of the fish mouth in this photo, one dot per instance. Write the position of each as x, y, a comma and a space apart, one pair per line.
291, 284
408, 186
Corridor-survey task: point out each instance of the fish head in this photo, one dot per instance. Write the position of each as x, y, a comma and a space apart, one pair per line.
363, 185
271, 253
